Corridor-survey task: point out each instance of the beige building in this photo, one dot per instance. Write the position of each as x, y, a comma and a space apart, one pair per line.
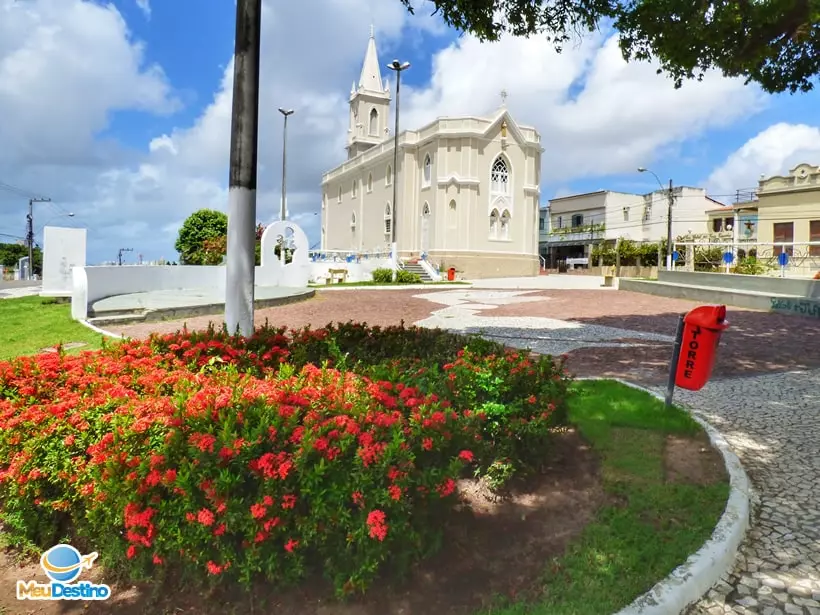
468, 187
580, 221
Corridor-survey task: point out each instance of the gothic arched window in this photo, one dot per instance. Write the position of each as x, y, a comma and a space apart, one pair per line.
374, 122
500, 176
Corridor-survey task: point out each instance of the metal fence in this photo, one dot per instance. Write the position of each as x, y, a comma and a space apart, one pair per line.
802, 258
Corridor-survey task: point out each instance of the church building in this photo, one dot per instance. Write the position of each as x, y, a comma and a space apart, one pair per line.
468, 187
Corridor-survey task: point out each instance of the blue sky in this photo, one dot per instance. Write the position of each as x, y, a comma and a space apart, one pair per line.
123, 117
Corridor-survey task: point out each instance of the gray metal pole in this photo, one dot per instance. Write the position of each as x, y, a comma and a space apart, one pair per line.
241, 258
671, 201
283, 212
397, 66
673, 363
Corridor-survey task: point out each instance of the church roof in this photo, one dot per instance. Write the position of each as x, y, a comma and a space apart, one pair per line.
371, 77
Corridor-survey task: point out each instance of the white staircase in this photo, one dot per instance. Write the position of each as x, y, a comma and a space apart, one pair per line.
418, 269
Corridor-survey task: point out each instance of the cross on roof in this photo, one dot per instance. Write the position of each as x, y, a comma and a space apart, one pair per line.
503, 97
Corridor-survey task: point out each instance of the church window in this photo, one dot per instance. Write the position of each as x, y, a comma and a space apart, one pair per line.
340, 194
500, 176
355, 190
388, 177
370, 183
494, 224
427, 171
388, 219
374, 122
505, 225
353, 222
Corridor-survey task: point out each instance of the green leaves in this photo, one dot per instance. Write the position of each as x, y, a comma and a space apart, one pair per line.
773, 43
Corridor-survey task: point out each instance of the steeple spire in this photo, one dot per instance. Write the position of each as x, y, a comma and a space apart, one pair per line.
371, 77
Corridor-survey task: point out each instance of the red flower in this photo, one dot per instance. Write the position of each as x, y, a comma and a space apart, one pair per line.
446, 488
205, 517
258, 511
395, 492
288, 501
466, 456
376, 521
290, 545
131, 552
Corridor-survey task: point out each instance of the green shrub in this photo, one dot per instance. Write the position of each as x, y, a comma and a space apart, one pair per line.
407, 277
288, 452
383, 275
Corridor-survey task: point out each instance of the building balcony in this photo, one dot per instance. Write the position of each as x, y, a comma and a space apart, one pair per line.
575, 234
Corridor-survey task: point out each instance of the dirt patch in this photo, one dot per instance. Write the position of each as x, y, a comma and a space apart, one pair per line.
493, 547
693, 460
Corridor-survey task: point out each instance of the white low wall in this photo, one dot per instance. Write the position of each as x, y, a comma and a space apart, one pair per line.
356, 272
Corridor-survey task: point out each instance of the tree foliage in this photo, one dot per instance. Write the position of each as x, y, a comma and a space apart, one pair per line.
198, 233
11, 253
774, 43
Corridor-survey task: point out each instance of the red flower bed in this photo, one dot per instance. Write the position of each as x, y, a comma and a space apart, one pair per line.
215, 456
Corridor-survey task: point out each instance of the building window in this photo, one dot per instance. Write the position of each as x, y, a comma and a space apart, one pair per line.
388, 176
505, 225
340, 194
388, 219
647, 212
814, 235
452, 205
355, 190
494, 224
427, 171
717, 225
500, 177
353, 222
784, 233
559, 222
728, 223
541, 224
370, 183
324, 201
374, 122
626, 214
577, 220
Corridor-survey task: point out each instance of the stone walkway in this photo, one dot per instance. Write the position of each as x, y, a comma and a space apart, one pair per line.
771, 420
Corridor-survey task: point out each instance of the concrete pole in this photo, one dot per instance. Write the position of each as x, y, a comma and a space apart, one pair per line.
284, 212
241, 258
671, 201
396, 66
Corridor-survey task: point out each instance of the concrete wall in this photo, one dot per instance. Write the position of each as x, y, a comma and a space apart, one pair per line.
63, 249
479, 265
798, 287
356, 272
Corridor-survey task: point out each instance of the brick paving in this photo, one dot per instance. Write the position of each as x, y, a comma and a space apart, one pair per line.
375, 307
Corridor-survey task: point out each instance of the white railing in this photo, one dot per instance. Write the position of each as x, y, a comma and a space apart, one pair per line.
803, 256
347, 256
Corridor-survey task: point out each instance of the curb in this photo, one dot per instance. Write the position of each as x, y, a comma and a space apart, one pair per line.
85, 323
690, 581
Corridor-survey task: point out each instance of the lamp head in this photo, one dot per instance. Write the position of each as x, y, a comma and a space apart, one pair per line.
285, 112
641, 169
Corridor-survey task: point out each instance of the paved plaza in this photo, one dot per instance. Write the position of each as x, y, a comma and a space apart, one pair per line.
764, 397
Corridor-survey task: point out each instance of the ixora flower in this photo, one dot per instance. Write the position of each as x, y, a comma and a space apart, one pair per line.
208, 453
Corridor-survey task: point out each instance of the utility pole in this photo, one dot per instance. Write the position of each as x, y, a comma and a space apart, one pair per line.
671, 202
30, 233
241, 258
286, 113
120, 253
396, 66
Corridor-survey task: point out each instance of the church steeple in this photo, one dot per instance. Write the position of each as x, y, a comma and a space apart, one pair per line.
369, 104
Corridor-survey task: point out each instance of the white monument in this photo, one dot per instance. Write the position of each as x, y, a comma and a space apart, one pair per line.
291, 238
63, 248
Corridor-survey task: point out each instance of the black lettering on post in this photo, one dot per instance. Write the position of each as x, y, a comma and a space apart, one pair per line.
695, 332
692, 355
690, 365
687, 373
693, 345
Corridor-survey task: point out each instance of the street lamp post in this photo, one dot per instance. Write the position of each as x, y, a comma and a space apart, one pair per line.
398, 67
286, 113
670, 202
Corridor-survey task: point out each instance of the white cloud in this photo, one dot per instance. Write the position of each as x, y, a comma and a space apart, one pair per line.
773, 151
145, 7
596, 114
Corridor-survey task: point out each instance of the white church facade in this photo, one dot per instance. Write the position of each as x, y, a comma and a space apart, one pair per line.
467, 187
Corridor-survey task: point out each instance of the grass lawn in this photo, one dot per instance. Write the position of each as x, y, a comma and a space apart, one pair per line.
650, 525
29, 324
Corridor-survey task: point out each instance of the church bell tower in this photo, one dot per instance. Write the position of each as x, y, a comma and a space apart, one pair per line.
369, 105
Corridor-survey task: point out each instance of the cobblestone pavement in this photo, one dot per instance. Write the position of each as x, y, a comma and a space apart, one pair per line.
767, 409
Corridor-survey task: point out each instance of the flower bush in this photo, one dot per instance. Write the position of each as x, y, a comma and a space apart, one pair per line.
219, 457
